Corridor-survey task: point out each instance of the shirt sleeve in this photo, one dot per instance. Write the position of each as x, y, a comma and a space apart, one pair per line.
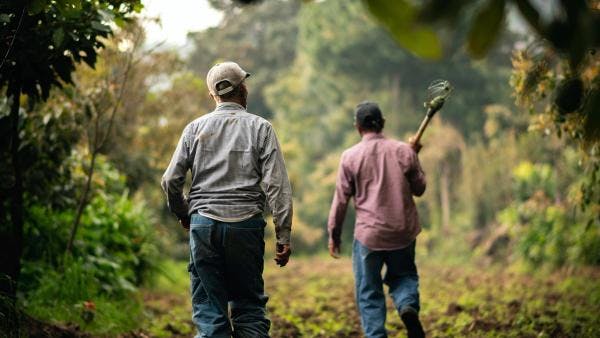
174, 179
344, 189
415, 175
277, 186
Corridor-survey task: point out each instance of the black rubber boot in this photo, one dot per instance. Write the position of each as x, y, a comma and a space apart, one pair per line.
412, 323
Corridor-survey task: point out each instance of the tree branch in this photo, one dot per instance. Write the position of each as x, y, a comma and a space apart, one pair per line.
95, 148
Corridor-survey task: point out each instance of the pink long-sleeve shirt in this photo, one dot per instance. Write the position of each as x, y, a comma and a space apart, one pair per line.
382, 175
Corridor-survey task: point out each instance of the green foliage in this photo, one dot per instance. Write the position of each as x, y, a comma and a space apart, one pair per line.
486, 28
116, 241
42, 41
530, 179
114, 254
116, 238
547, 231
48, 134
314, 101
47, 232
562, 102
51, 37
73, 295
311, 64
400, 18
262, 38
79, 283
569, 30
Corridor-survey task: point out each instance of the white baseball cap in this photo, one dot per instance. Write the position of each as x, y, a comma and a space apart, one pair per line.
225, 71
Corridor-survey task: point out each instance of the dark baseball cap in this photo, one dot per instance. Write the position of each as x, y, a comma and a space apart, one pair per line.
368, 115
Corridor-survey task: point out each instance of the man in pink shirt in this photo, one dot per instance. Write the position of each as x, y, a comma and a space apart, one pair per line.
382, 175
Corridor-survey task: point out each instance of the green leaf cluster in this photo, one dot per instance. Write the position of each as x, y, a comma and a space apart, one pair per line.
115, 252
400, 17
43, 40
546, 232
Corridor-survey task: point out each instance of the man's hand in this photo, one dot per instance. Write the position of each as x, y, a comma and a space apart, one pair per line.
416, 146
185, 223
334, 250
282, 256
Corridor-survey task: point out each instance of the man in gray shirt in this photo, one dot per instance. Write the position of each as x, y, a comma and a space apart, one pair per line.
236, 166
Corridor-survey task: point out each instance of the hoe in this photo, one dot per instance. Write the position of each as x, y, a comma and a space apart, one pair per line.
437, 93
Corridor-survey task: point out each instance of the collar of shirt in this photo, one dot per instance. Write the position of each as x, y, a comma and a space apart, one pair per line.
372, 136
229, 106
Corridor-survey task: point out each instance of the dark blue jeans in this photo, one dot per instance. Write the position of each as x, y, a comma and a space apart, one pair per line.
401, 277
226, 266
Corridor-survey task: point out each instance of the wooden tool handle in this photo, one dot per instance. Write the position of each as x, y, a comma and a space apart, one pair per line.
421, 130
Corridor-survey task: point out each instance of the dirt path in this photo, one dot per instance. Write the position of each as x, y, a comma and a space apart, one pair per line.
314, 298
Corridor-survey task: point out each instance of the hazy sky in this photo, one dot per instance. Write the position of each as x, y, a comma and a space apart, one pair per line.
178, 17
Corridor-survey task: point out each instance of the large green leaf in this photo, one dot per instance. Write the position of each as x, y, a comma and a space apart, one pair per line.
486, 27
422, 41
400, 18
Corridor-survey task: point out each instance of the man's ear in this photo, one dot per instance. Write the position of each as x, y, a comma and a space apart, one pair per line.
358, 128
244, 89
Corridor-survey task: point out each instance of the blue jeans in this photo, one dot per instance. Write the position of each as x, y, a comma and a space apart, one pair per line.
401, 277
226, 266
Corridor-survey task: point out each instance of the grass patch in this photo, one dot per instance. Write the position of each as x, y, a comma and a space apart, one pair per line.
168, 303
72, 298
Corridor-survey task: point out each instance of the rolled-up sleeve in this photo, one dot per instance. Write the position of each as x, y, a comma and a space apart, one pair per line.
277, 186
344, 189
174, 178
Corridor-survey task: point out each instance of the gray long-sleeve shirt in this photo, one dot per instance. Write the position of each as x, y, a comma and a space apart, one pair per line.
235, 161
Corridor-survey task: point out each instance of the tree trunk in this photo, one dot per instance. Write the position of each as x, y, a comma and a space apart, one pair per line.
83, 201
11, 240
395, 91
445, 198
95, 147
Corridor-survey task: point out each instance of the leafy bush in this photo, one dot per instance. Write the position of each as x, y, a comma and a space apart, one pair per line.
530, 178
113, 254
46, 231
544, 228
116, 242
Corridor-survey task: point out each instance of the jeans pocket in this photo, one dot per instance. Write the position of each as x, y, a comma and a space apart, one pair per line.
202, 243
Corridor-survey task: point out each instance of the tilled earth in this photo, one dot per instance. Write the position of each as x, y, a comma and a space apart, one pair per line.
314, 297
